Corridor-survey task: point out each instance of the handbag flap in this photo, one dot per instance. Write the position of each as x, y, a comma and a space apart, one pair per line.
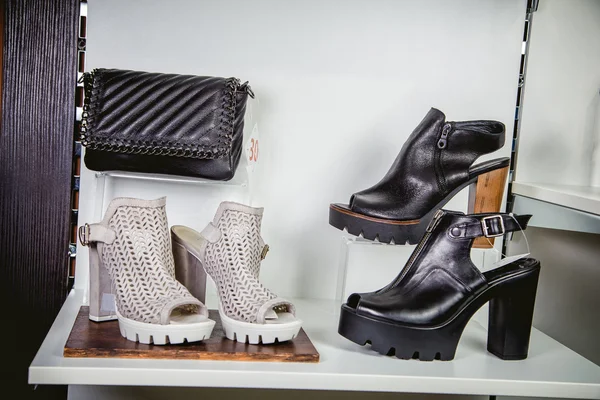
134, 112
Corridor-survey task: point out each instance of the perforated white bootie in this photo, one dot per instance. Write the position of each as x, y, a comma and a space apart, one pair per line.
230, 250
132, 276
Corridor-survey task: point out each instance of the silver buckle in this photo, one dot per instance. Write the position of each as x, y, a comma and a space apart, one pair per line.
84, 234
485, 228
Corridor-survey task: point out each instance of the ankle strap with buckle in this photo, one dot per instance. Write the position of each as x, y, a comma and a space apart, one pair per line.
489, 225
89, 233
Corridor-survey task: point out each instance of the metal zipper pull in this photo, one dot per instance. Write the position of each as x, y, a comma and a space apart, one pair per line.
435, 220
444, 138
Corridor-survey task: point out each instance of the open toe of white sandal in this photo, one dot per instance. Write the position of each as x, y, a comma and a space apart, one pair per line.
182, 317
280, 329
282, 318
180, 323
181, 328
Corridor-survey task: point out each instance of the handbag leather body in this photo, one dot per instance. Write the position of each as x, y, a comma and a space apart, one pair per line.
163, 123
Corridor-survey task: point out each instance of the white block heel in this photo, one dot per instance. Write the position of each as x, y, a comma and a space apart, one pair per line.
230, 250
132, 276
102, 298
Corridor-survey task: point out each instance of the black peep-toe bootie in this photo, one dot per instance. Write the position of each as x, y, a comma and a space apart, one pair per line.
423, 312
435, 163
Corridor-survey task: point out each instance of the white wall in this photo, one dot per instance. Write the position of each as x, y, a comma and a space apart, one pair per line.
560, 130
340, 84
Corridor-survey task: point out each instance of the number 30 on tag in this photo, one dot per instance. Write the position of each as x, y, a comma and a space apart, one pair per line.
253, 150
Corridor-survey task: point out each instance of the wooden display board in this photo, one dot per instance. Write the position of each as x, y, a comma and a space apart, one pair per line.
103, 340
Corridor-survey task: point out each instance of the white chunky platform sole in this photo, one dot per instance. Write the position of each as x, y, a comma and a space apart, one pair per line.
173, 333
286, 327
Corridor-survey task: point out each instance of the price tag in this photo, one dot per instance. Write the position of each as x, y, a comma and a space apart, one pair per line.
253, 148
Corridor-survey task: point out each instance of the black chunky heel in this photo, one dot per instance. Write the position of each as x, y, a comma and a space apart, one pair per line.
510, 318
423, 312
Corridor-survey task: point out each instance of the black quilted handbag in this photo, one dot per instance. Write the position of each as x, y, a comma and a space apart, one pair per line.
163, 123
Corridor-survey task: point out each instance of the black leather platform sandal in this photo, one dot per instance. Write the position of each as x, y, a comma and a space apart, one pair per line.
423, 312
435, 163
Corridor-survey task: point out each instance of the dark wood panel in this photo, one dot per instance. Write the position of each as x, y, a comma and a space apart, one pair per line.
36, 145
1, 53
103, 339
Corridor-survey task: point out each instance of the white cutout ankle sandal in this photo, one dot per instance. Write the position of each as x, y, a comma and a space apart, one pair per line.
230, 250
132, 276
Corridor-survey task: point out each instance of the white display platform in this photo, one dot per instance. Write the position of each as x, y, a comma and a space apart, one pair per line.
580, 198
552, 370
565, 207
240, 179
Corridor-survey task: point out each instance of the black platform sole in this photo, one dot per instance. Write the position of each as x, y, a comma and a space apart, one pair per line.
511, 313
386, 230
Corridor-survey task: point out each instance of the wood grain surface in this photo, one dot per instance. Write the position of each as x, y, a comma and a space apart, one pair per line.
36, 152
490, 189
103, 340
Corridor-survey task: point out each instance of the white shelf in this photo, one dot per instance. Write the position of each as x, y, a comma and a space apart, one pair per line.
552, 370
239, 179
565, 207
580, 198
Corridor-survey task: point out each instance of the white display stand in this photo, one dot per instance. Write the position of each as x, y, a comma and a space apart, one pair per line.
342, 84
